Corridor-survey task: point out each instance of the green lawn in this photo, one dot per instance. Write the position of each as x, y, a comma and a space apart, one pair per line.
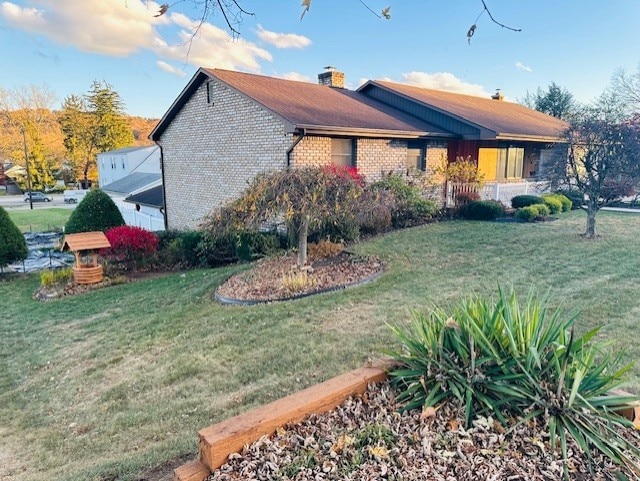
102, 386
40, 220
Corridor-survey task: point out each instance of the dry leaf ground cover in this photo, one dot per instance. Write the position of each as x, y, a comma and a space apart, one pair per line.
370, 438
277, 278
109, 384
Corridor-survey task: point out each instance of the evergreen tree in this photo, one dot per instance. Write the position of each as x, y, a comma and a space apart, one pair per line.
96, 212
92, 124
110, 128
13, 246
555, 101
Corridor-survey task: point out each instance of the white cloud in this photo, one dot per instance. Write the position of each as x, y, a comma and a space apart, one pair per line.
170, 68
109, 27
295, 76
121, 28
283, 40
444, 81
524, 67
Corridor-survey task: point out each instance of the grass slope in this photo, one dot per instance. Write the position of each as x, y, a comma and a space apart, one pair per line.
102, 386
40, 220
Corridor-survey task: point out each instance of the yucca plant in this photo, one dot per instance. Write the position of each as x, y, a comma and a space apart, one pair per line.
524, 361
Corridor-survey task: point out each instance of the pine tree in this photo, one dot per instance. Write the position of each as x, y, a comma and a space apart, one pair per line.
13, 246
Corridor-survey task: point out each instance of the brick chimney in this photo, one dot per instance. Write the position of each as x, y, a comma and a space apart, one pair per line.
331, 78
498, 96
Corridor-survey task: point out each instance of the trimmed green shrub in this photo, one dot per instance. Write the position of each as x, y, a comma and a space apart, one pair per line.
503, 359
481, 210
179, 249
565, 201
220, 248
554, 204
525, 200
543, 210
575, 196
13, 246
96, 212
527, 214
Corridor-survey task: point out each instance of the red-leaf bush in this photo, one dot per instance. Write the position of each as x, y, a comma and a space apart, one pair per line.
345, 172
130, 245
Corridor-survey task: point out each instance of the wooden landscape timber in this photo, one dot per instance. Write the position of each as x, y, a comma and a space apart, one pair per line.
230, 436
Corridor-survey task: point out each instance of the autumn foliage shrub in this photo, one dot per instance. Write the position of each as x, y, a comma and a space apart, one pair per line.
131, 246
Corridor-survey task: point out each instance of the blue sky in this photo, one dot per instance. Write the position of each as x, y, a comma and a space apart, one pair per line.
67, 44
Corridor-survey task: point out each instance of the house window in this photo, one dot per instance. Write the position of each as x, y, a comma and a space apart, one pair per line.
342, 152
510, 162
415, 156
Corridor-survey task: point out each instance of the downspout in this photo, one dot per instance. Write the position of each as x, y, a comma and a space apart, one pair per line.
164, 189
293, 146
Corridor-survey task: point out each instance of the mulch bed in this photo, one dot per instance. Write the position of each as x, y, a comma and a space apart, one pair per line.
274, 278
368, 438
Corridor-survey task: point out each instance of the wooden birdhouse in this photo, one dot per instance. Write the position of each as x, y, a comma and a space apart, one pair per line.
86, 246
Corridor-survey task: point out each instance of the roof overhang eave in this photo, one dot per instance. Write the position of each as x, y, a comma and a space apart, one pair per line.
379, 133
550, 139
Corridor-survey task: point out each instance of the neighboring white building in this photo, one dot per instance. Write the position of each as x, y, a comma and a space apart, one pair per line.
127, 173
116, 164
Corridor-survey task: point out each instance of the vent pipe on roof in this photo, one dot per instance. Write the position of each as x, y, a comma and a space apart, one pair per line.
498, 95
331, 78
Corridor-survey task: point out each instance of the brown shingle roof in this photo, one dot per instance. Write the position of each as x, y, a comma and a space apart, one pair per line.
311, 105
85, 241
504, 118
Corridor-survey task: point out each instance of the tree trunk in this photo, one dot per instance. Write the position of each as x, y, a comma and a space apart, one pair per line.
592, 210
303, 232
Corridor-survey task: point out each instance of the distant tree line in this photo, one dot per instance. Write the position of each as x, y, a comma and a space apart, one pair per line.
62, 144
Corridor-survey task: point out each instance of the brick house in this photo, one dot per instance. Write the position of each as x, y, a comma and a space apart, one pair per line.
226, 127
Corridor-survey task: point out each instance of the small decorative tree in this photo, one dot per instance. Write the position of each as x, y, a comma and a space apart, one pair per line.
13, 246
305, 197
96, 212
601, 157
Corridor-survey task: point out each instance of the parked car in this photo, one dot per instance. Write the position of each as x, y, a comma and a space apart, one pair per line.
37, 197
74, 196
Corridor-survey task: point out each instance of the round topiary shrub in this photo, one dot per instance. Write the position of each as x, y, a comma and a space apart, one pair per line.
481, 210
13, 246
525, 200
565, 201
575, 196
543, 210
555, 206
527, 214
96, 212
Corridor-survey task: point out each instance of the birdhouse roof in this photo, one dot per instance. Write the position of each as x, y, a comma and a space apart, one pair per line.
85, 241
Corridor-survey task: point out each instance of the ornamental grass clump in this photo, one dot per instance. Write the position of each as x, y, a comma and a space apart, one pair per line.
522, 361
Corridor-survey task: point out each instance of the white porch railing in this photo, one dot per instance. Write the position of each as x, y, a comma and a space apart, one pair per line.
500, 191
